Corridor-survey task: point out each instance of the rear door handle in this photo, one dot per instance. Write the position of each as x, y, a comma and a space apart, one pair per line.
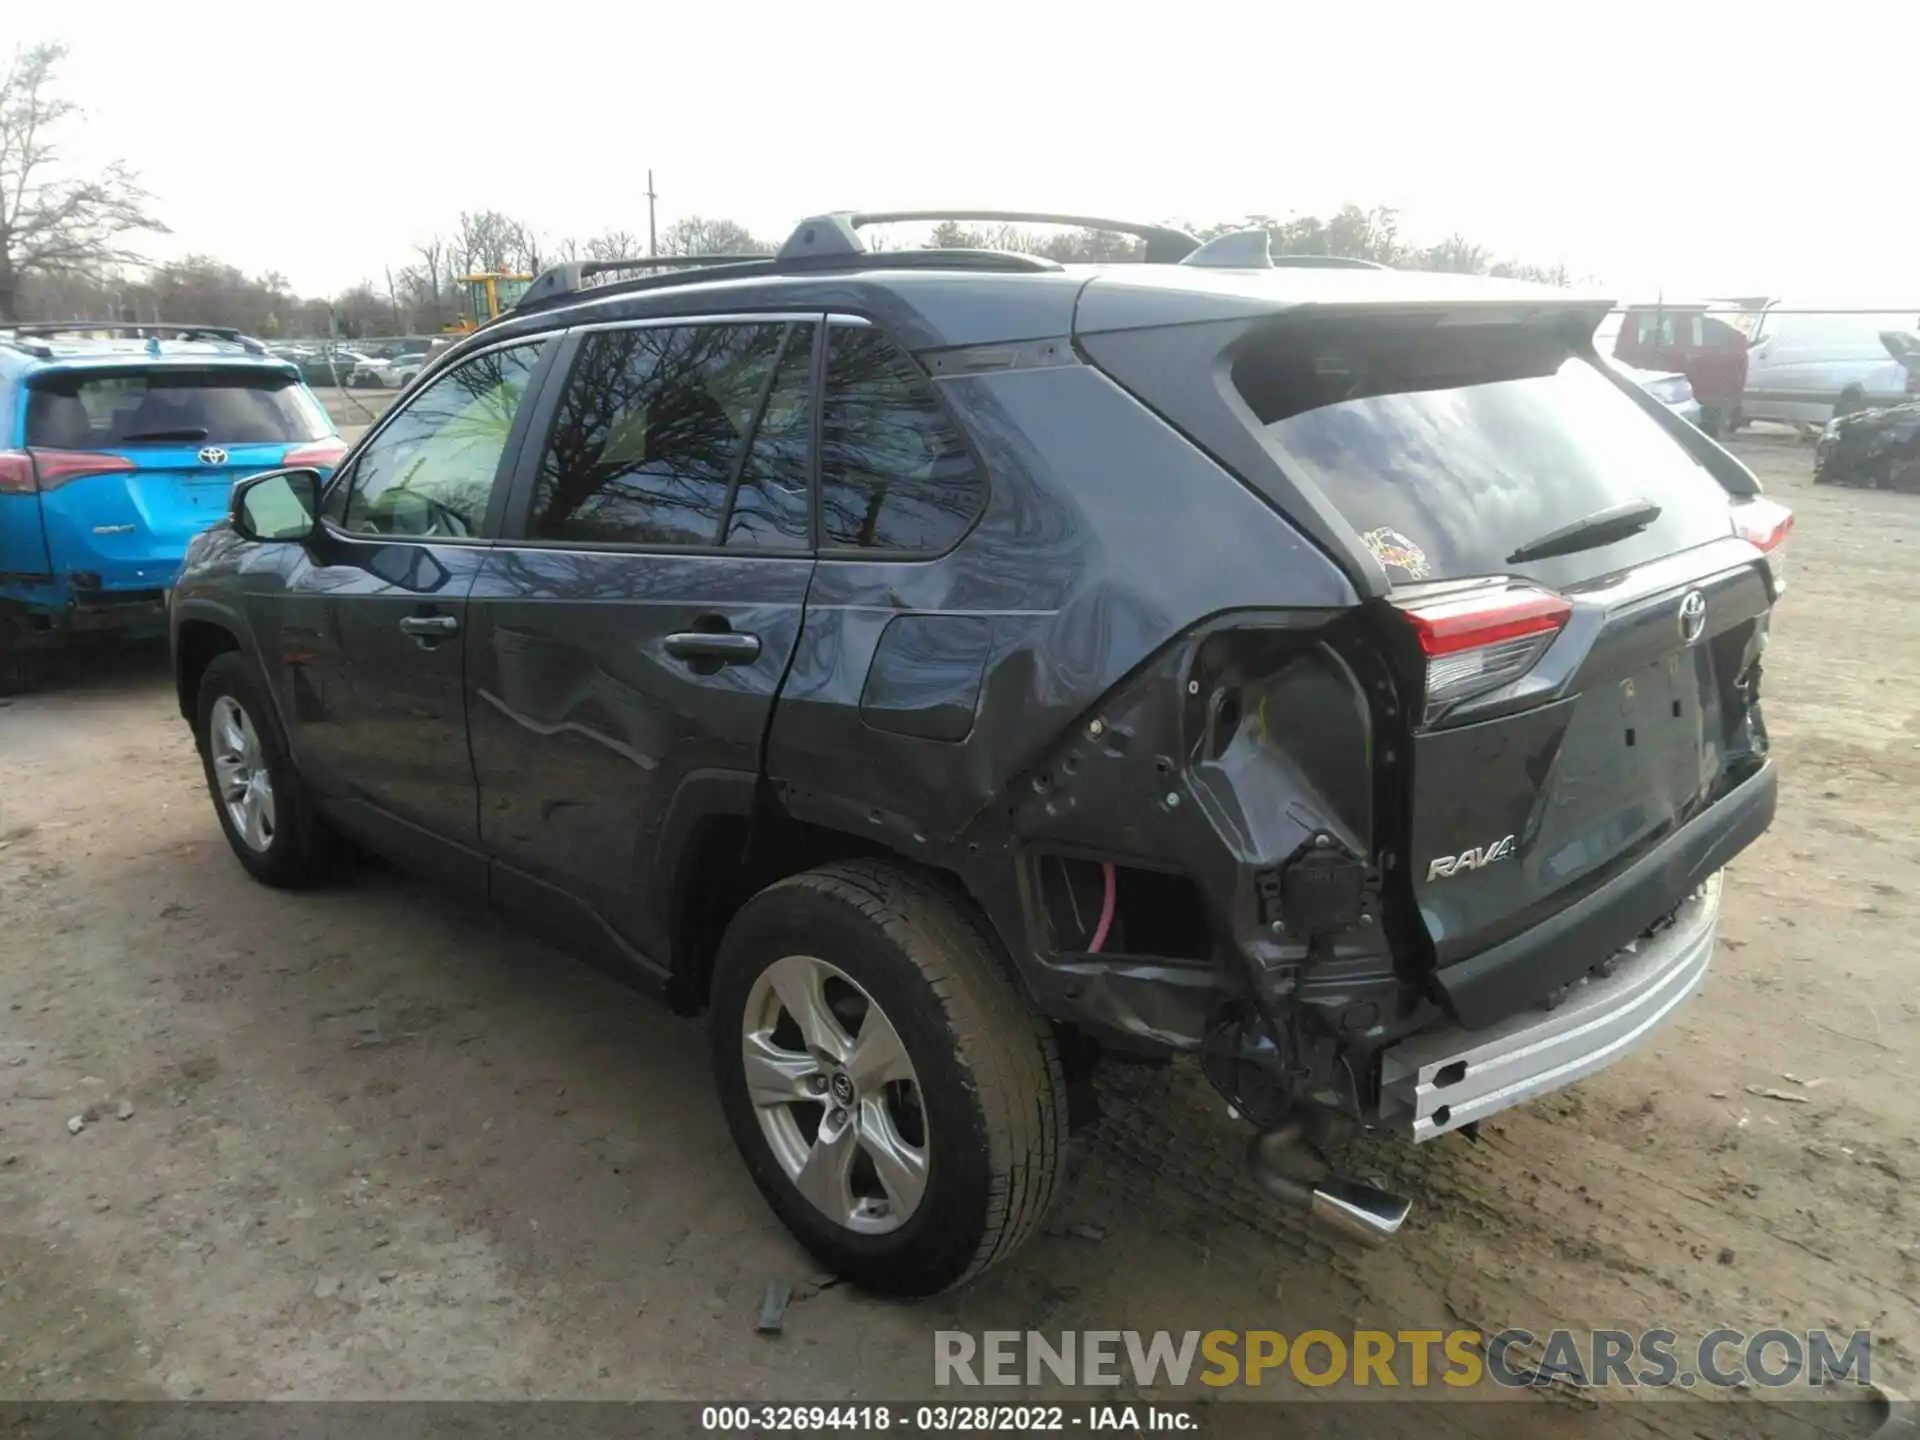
430, 626
725, 646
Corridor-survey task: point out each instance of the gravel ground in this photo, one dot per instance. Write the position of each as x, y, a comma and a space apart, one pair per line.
362, 1143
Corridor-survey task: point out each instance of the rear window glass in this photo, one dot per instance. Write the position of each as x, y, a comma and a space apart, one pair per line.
88, 410
1449, 451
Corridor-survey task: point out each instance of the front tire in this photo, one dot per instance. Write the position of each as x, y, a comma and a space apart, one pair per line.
896, 1100
262, 805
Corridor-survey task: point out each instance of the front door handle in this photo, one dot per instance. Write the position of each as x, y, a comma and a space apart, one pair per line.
430, 627
726, 646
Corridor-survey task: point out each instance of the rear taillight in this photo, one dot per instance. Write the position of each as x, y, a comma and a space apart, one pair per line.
1479, 641
320, 455
16, 473
1767, 525
22, 472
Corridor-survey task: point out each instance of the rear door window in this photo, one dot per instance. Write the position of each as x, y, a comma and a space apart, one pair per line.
87, 410
1449, 451
655, 427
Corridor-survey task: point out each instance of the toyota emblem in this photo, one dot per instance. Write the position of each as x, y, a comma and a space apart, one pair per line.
213, 455
1693, 616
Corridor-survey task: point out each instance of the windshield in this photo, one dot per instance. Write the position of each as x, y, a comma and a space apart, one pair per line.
106, 410
1449, 451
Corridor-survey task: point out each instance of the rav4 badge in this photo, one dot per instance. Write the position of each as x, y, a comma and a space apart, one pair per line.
1445, 866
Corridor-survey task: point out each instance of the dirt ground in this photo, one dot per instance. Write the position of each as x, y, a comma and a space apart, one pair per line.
375, 1146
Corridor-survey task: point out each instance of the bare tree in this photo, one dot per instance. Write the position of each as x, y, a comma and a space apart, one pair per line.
698, 235
490, 241
49, 224
615, 245
431, 271
361, 311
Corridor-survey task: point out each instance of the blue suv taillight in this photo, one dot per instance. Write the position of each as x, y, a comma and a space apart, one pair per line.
28, 472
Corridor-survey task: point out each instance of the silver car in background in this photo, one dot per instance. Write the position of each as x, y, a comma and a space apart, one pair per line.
1806, 367
1670, 388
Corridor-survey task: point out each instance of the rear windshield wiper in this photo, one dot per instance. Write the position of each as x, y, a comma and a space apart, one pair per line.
174, 432
1603, 527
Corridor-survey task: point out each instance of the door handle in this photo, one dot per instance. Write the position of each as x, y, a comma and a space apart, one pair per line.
724, 646
430, 626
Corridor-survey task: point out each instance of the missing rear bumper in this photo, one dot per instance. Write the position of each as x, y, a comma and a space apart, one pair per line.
1443, 1079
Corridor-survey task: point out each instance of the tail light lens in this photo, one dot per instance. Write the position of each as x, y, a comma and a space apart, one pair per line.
1477, 642
1766, 525
320, 455
24, 472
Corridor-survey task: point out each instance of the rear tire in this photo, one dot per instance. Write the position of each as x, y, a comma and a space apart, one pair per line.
258, 796
986, 1082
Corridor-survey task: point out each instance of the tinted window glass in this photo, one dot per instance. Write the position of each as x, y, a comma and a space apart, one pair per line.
770, 509
1450, 453
894, 473
649, 432
430, 472
224, 407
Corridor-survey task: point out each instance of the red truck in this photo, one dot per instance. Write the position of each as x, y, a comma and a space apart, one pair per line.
1703, 346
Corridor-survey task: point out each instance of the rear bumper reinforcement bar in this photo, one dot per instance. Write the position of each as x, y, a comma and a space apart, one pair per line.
1442, 1079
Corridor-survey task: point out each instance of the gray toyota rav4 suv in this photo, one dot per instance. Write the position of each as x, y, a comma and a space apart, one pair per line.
948, 669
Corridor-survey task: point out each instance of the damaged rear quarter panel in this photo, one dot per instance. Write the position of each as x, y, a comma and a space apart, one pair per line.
1106, 537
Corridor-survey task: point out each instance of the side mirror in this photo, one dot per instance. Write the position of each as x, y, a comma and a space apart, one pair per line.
279, 505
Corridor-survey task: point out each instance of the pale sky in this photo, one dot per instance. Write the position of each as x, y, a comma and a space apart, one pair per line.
1692, 148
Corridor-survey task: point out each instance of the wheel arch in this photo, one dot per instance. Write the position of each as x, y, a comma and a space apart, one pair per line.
199, 636
728, 841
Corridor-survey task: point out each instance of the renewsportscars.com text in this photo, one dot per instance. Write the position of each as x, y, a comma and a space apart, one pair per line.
1415, 1359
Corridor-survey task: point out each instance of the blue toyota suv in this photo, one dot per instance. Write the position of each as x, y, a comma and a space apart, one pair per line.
118, 444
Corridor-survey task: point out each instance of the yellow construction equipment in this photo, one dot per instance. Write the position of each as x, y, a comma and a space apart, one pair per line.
485, 296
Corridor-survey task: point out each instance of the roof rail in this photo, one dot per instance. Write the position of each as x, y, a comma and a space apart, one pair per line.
143, 330
572, 276
1166, 245
562, 282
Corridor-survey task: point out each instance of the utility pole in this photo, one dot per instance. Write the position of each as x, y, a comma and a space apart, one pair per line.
652, 249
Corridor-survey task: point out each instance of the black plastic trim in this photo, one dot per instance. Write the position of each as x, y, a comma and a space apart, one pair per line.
1509, 977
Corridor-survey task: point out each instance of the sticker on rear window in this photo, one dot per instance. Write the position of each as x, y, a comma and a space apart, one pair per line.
1395, 551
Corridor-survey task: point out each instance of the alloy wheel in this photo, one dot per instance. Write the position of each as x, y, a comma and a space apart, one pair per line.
836, 1094
240, 772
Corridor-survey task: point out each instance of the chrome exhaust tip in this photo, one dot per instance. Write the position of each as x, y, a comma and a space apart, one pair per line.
1358, 1211
1347, 1208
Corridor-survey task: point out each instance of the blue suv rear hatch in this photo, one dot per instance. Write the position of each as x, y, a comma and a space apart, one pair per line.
124, 461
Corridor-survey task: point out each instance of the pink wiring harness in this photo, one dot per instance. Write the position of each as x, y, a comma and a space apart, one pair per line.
1106, 911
